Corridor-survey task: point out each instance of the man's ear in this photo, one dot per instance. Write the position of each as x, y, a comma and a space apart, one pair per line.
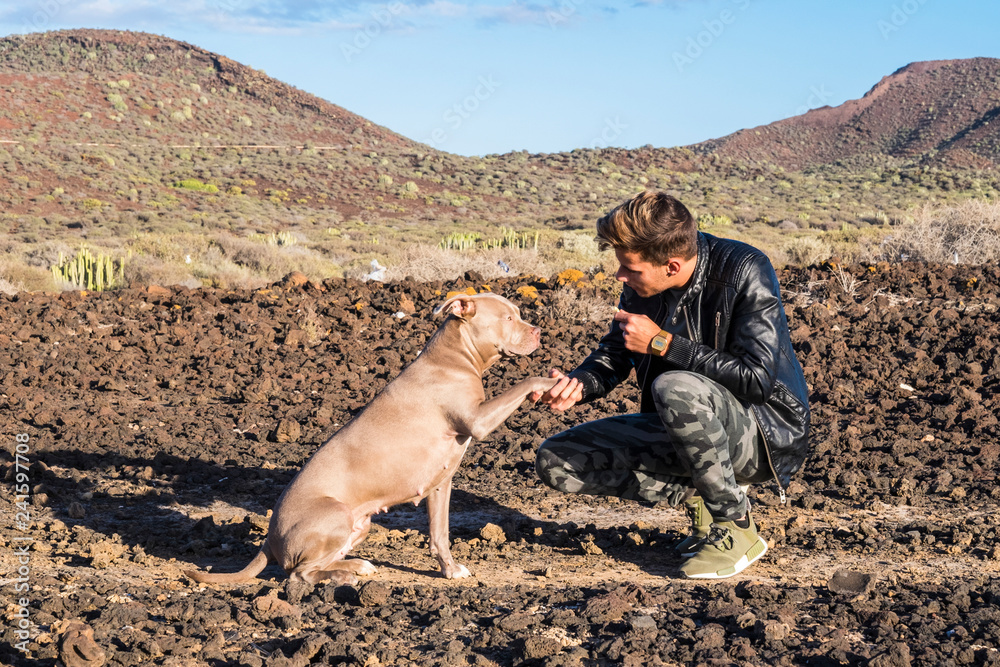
461, 306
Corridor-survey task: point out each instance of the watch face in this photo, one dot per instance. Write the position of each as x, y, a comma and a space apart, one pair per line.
658, 343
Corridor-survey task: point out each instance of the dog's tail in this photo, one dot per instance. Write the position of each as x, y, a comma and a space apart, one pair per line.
248, 573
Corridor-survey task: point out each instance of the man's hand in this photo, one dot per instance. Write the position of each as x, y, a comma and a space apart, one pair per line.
638, 331
566, 393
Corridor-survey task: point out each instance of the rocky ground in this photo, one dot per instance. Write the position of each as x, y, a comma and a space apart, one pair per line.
150, 429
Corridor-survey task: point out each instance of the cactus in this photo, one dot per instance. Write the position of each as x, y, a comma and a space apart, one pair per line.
459, 241
509, 238
89, 272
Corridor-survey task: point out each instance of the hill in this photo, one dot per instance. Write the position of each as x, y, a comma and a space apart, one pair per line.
936, 112
124, 87
199, 170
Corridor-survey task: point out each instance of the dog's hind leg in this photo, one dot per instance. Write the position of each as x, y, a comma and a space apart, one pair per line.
341, 572
320, 542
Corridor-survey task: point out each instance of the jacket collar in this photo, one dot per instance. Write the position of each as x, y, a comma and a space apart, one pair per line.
697, 283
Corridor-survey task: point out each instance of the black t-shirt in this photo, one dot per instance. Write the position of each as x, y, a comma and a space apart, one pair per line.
671, 298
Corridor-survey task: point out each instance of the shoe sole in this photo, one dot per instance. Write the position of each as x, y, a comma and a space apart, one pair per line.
752, 555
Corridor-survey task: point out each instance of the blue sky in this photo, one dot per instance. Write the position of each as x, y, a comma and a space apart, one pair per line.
494, 76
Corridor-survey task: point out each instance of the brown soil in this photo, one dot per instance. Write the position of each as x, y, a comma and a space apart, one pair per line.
152, 420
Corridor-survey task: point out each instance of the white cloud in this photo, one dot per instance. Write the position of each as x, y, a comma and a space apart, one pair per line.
516, 13
273, 16
441, 8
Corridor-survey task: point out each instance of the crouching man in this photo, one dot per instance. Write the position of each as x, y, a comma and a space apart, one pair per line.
724, 403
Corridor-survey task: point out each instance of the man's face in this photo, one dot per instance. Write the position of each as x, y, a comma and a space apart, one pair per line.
645, 278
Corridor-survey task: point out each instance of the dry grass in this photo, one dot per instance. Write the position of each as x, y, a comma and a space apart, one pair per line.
802, 251
967, 233
426, 263
225, 255
569, 304
9, 288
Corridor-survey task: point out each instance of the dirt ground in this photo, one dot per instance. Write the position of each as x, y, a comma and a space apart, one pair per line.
153, 429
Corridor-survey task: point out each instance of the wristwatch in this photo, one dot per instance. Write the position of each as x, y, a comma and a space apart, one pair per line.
659, 343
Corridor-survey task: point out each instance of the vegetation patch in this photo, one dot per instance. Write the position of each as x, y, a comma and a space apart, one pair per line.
196, 185
87, 271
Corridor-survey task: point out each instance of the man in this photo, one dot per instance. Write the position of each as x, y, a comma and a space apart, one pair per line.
724, 402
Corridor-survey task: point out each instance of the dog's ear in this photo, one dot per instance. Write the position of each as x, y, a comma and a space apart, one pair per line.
461, 306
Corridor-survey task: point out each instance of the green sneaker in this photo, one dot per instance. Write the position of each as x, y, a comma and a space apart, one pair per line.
727, 550
701, 522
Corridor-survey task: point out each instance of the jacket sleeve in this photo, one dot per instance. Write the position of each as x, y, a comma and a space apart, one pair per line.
748, 363
607, 366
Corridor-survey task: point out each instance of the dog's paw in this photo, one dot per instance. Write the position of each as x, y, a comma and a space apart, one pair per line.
365, 568
458, 572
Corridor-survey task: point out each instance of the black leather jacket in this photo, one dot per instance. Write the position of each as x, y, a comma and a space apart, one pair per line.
737, 336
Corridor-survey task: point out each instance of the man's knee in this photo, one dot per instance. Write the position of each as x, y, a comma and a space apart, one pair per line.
681, 389
561, 461
548, 462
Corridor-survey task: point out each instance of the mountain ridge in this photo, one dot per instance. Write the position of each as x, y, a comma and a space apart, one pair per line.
138, 143
936, 112
181, 71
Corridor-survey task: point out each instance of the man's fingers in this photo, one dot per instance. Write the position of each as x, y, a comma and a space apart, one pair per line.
568, 396
565, 393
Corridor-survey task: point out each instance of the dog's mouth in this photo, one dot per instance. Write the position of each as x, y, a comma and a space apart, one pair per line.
519, 351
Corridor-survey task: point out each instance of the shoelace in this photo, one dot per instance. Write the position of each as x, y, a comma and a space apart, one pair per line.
720, 536
692, 512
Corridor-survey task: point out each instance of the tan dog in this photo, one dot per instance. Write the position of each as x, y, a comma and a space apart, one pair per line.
404, 446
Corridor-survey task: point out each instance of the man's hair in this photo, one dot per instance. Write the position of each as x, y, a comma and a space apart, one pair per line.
652, 224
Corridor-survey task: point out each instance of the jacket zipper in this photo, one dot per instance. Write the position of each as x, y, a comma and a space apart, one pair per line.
770, 463
687, 323
718, 321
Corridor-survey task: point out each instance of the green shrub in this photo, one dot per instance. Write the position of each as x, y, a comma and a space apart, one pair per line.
198, 186
707, 220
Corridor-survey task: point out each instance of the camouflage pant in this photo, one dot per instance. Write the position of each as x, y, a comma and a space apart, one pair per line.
700, 436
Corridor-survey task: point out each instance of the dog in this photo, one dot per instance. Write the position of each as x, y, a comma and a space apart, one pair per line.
403, 447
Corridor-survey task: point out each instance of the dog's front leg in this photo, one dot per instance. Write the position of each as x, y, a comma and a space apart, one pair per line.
438, 501
490, 414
